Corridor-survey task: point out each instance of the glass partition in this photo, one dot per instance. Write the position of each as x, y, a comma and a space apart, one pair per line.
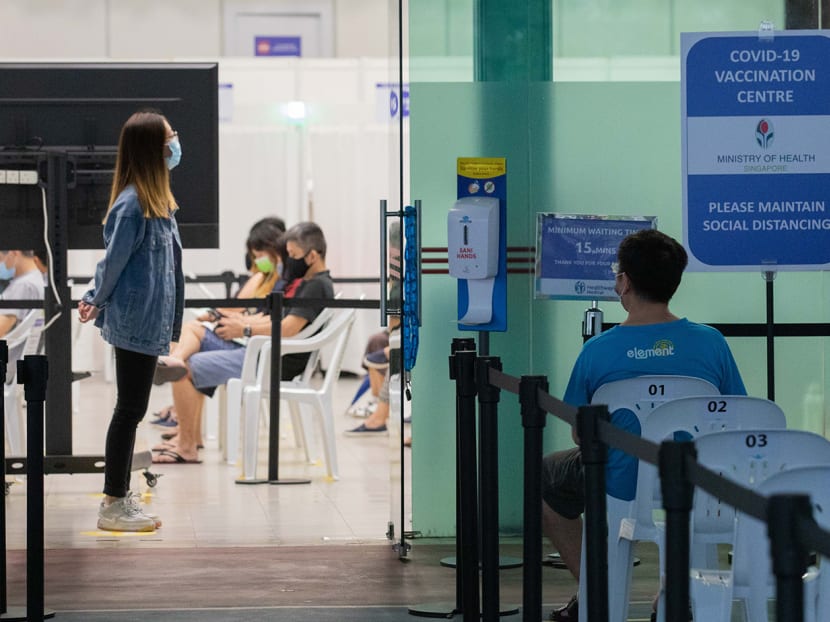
601, 137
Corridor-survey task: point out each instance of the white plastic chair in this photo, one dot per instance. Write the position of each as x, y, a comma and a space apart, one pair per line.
299, 390
17, 340
230, 396
751, 579
641, 395
696, 416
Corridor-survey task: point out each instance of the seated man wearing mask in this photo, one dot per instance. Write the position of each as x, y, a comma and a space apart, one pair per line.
306, 248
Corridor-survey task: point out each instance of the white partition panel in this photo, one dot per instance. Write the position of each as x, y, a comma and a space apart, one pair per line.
258, 177
349, 171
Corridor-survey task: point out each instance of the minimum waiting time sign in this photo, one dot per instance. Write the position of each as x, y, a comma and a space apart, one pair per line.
756, 150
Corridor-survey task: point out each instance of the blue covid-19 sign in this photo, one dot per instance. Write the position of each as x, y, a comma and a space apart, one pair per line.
756, 150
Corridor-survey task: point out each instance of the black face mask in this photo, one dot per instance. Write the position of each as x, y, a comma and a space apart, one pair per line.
295, 268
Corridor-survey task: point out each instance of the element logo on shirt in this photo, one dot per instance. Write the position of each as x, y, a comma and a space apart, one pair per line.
661, 347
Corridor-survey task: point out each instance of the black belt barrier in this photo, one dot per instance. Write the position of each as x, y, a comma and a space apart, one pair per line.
795, 533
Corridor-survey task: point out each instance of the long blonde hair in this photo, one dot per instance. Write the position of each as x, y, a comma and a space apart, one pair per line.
140, 162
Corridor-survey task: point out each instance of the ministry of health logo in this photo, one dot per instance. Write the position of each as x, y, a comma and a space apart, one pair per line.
764, 133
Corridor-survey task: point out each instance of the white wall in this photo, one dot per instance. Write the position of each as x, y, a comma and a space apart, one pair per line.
333, 168
159, 29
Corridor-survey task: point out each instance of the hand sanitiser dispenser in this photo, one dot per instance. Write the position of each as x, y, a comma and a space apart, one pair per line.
473, 253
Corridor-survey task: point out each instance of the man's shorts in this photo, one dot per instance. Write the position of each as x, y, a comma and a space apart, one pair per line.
216, 362
563, 482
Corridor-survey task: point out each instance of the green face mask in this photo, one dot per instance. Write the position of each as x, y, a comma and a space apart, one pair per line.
264, 264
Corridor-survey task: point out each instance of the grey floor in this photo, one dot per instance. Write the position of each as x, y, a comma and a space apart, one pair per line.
284, 614
202, 506
296, 553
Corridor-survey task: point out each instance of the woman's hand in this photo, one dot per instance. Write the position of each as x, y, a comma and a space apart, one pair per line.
86, 312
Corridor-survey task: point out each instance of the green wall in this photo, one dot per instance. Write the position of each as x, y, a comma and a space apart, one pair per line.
572, 147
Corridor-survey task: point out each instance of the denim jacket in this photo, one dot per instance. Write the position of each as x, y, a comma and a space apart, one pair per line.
139, 284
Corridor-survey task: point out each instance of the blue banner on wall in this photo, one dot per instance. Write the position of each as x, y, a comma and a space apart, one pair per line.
392, 102
278, 46
756, 150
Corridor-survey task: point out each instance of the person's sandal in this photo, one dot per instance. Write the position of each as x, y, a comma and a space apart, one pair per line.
568, 613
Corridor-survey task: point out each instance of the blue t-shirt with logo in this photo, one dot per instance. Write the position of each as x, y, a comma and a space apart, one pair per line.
677, 348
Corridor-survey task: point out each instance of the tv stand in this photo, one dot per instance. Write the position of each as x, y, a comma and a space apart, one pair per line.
56, 174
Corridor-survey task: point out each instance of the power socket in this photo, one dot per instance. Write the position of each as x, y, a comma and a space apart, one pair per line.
12, 177
28, 177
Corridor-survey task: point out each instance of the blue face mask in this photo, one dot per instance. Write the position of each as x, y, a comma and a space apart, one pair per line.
6, 274
175, 156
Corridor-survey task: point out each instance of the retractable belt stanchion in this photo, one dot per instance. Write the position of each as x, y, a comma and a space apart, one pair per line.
468, 561
594, 456
6, 613
533, 422
275, 305
488, 486
32, 373
445, 609
466, 344
789, 555
678, 494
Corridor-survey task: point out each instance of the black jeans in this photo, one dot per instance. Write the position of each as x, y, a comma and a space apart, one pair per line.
134, 379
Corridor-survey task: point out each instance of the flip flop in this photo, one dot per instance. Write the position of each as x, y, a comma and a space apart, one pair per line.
165, 417
177, 458
169, 370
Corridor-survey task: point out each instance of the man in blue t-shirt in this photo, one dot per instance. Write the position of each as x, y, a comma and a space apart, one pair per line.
651, 340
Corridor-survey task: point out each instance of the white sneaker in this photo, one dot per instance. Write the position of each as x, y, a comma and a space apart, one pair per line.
123, 515
135, 499
361, 411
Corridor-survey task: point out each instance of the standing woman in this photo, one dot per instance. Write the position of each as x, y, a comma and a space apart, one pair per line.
137, 298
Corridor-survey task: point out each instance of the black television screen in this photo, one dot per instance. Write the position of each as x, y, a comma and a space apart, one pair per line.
77, 109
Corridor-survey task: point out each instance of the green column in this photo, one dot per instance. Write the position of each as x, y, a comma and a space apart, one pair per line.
513, 71
512, 41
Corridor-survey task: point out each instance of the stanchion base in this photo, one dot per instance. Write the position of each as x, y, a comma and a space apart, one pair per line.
504, 562
19, 613
447, 610
273, 482
433, 610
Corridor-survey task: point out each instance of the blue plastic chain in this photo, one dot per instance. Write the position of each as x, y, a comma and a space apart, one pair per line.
410, 289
